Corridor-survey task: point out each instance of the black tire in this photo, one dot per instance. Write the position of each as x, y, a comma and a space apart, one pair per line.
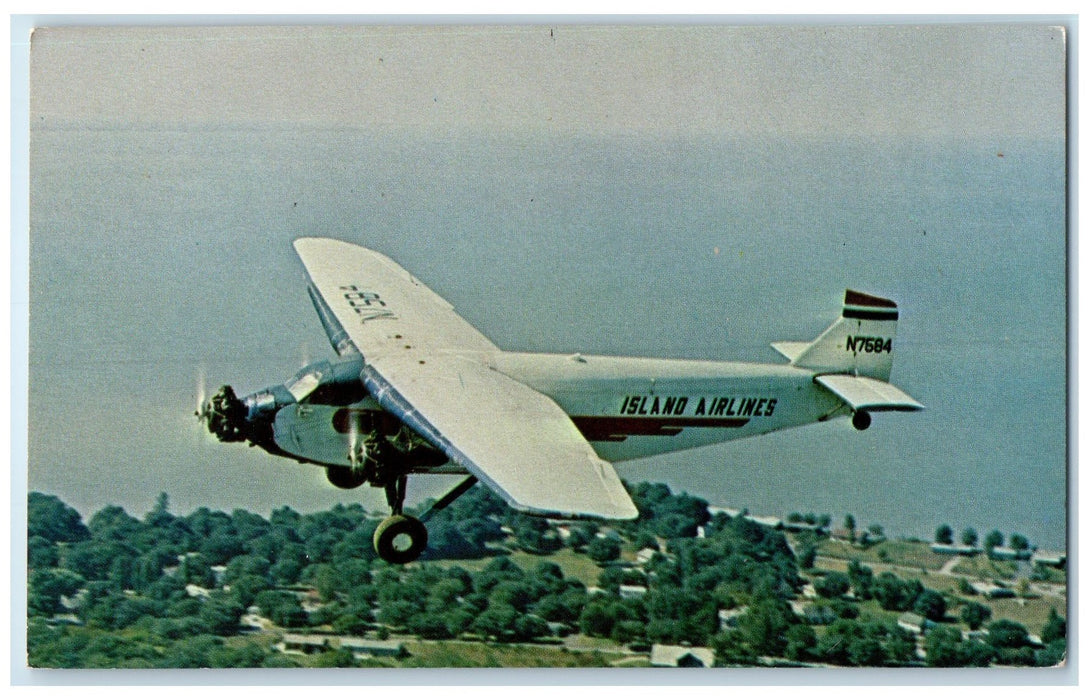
861, 420
345, 477
390, 539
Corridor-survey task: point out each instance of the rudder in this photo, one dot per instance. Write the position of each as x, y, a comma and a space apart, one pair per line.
859, 342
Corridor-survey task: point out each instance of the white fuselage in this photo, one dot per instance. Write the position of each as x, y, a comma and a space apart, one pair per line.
625, 407
635, 407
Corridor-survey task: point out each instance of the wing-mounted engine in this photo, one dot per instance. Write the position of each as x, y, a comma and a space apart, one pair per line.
359, 443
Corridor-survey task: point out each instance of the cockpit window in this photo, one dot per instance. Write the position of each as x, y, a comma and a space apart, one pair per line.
303, 384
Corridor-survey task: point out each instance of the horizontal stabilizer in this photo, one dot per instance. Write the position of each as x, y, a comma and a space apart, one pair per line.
790, 349
867, 394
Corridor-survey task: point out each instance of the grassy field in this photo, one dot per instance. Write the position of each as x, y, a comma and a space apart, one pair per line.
484, 655
984, 568
900, 553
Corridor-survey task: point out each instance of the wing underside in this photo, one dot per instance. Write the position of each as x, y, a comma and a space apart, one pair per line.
430, 368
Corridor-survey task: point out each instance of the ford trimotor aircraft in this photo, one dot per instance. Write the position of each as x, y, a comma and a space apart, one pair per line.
417, 390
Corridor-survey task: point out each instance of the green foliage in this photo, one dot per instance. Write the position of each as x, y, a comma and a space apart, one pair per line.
931, 605
49, 518
1054, 628
862, 580
664, 514
281, 607
47, 586
969, 538
896, 594
946, 648
127, 577
944, 534
974, 614
603, 549
1007, 634
832, 585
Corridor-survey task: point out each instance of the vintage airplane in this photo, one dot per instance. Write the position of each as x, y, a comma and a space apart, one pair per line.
417, 390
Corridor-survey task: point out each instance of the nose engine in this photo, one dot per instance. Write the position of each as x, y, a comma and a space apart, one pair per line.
225, 415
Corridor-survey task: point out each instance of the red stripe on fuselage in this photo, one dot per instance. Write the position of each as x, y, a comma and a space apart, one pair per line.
620, 428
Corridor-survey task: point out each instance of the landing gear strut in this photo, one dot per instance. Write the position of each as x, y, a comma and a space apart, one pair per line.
400, 538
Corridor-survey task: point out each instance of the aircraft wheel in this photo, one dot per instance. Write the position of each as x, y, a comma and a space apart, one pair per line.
345, 477
861, 420
400, 539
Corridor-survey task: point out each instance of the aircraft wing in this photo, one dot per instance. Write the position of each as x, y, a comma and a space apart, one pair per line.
429, 367
381, 308
868, 394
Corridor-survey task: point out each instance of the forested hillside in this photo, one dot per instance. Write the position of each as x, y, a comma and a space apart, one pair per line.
213, 589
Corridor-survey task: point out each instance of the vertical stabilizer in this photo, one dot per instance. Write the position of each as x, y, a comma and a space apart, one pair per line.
859, 342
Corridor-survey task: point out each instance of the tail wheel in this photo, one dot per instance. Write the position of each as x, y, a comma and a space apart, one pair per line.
345, 477
400, 539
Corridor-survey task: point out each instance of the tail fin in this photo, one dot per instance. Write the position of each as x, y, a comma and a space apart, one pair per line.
859, 342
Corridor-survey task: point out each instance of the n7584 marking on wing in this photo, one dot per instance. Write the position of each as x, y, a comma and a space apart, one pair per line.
367, 305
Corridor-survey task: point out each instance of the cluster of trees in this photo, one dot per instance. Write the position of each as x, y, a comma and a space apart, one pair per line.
970, 538
171, 591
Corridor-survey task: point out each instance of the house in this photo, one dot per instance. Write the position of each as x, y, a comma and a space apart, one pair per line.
802, 526
991, 590
630, 592
303, 644
372, 648
1009, 553
1045, 558
765, 520
959, 550
194, 591
727, 619
666, 655
644, 555
914, 623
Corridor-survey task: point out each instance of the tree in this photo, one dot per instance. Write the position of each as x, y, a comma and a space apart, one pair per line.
49, 517
861, 578
800, 641
808, 556
969, 538
993, 539
942, 647
832, 585
1007, 633
1018, 542
220, 614
944, 534
1054, 628
764, 625
850, 525
282, 608
41, 553
496, 622
46, 588
931, 605
974, 615
603, 549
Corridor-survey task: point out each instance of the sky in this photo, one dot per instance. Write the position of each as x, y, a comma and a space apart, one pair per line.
939, 80
568, 188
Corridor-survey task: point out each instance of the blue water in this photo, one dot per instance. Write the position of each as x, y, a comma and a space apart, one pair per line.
158, 253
